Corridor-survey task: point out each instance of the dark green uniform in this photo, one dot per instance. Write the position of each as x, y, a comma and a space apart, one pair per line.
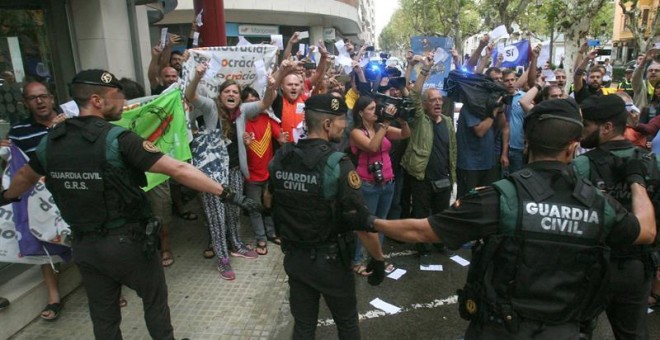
541, 267
631, 265
94, 170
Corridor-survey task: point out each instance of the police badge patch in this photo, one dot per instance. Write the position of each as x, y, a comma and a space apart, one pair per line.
354, 180
150, 147
106, 77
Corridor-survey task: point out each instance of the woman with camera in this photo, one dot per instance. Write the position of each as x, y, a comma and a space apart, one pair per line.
370, 143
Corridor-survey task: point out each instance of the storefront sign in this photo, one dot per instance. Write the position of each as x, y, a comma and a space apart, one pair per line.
329, 33
258, 30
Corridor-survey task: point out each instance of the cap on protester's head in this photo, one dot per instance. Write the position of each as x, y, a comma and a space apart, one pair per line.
630, 69
563, 109
326, 103
97, 78
603, 108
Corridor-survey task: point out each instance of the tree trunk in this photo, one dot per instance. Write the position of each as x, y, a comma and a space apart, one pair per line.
575, 17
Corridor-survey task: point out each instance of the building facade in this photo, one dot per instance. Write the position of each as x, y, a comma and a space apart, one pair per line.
623, 49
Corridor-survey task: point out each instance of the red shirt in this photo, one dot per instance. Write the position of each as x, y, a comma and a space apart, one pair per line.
260, 151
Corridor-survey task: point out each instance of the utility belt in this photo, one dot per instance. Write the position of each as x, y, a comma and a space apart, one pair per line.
342, 249
472, 307
147, 232
382, 183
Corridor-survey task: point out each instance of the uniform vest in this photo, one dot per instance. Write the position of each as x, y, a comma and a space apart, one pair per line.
304, 201
549, 262
90, 183
602, 168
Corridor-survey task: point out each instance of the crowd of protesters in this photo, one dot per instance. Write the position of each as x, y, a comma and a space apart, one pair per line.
409, 161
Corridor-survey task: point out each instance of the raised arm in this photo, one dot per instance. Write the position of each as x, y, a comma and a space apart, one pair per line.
154, 67
191, 90
289, 45
167, 51
320, 68
531, 76
483, 61
581, 69
427, 63
474, 58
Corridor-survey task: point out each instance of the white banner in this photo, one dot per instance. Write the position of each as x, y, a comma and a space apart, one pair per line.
247, 65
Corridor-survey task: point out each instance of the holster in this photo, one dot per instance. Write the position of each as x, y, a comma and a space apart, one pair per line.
346, 244
151, 238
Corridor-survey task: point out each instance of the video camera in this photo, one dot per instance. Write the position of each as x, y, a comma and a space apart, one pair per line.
404, 107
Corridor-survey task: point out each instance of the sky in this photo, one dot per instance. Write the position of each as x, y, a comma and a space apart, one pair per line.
384, 10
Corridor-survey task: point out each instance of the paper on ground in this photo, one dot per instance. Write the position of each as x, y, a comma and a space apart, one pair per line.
463, 262
384, 306
431, 267
397, 274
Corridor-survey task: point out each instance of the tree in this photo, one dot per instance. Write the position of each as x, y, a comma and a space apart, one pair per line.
573, 20
642, 34
503, 12
451, 18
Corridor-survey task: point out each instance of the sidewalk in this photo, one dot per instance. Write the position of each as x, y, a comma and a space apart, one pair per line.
202, 305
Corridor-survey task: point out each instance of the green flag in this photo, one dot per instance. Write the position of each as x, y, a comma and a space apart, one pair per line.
162, 121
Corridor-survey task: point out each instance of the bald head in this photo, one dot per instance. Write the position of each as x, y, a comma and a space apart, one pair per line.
168, 76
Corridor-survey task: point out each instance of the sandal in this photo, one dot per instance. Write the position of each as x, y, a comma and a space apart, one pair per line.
122, 302
262, 248
188, 215
166, 259
360, 270
52, 311
389, 268
208, 253
274, 239
656, 298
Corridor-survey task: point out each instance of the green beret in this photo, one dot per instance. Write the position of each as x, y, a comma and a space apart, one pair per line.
326, 103
97, 78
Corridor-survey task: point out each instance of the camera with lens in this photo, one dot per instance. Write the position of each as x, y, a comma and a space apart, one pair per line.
376, 168
404, 107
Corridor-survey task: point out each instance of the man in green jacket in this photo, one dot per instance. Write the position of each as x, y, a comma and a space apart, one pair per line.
430, 159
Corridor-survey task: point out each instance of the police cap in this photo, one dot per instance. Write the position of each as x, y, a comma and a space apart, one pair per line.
97, 78
564, 109
630, 69
603, 108
326, 103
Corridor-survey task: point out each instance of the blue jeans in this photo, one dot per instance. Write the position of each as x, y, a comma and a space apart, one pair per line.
378, 198
262, 225
516, 160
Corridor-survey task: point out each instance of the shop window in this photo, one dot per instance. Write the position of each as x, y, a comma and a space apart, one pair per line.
24, 56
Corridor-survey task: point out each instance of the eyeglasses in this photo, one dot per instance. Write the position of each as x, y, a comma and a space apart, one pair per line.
653, 69
41, 96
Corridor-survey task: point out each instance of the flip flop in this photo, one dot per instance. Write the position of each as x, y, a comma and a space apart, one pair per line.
166, 258
208, 253
262, 248
274, 239
122, 302
54, 310
360, 270
188, 215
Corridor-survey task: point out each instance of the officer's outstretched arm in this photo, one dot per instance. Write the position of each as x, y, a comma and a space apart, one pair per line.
408, 230
187, 175
372, 244
643, 210
21, 182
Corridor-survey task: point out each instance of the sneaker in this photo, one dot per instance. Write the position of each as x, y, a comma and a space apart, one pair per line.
225, 270
244, 252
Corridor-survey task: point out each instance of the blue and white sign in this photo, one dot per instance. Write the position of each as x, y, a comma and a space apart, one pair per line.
514, 55
441, 46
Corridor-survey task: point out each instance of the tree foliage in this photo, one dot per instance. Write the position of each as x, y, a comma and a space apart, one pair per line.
642, 34
503, 12
452, 18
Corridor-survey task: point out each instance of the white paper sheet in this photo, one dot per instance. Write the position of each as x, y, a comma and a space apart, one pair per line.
242, 41
277, 40
431, 267
499, 32
303, 35
440, 55
463, 262
384, 306
301, 49
198, 19
397, 274
163, 37
70, 108
195, 39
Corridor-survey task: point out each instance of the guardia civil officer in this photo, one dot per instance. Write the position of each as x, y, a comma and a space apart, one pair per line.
94, 170
311, 186
540, 267
631, 267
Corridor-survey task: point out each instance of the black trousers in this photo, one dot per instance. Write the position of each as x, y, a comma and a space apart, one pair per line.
527, 330
311, 275
107, 263
426, 202
470, 179
630, 286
